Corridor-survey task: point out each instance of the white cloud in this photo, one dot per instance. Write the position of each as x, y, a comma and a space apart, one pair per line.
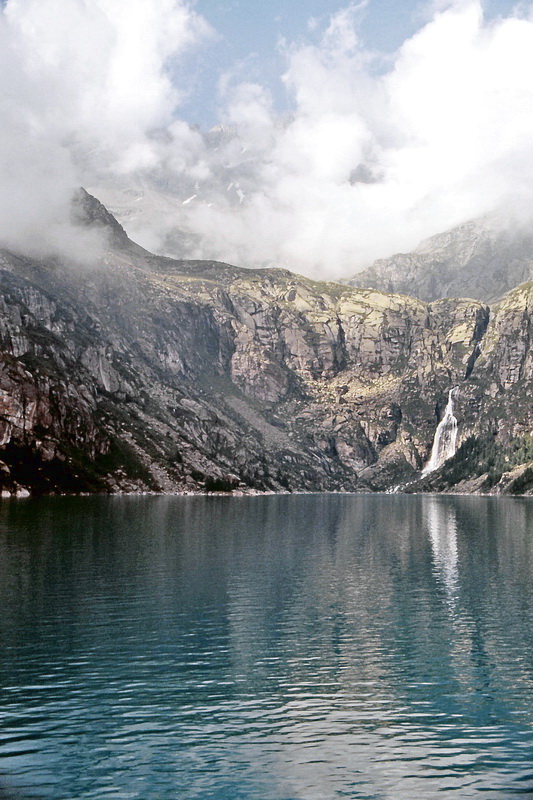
83, 85
369, 160
368, 163
442, 136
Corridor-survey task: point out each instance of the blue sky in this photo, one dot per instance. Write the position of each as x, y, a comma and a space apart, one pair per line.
249, 33
395, 122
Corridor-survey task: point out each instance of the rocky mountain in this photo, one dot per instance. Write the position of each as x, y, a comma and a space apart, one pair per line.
483, 259
146, 373
155, 208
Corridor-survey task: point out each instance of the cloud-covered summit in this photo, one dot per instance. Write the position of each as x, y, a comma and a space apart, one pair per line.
84, 86
375, 153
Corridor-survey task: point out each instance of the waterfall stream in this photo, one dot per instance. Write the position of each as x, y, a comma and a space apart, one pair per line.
445, 437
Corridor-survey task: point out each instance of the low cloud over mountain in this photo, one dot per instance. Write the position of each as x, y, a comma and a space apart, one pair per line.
374, 154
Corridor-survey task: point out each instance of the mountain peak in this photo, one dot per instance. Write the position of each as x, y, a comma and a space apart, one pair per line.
90, 212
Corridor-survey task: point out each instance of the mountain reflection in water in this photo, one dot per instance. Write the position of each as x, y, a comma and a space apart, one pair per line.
267, 648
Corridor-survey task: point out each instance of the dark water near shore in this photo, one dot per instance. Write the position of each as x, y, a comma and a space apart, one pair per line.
266, 648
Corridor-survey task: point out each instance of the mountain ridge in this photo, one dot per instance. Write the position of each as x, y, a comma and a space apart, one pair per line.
144, 373
483, 259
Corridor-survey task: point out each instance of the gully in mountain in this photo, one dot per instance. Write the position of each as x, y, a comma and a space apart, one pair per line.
150, 374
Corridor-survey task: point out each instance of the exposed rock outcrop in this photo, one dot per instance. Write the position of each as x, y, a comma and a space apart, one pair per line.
150, 373
483, 259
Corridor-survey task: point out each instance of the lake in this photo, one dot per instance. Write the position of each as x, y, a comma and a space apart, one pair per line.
308, 647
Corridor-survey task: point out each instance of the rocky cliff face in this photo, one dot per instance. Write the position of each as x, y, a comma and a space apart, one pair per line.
149, 373
483, 259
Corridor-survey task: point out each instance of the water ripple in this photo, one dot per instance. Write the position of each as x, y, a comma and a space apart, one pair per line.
299, 648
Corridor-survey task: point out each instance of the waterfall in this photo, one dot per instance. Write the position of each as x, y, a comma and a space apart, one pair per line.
445, 437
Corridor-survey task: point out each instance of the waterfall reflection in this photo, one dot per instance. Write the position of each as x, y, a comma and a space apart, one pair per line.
442, 525
267, 647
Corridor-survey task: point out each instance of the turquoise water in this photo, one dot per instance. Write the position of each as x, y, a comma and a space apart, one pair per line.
266, 648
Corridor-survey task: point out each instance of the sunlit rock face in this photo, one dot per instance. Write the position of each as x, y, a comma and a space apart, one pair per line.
483, 259
146, 373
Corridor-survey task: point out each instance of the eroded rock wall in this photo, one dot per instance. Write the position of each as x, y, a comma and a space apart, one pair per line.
148, 373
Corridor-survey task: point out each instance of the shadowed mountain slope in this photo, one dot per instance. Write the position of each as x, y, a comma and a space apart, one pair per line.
146, 373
